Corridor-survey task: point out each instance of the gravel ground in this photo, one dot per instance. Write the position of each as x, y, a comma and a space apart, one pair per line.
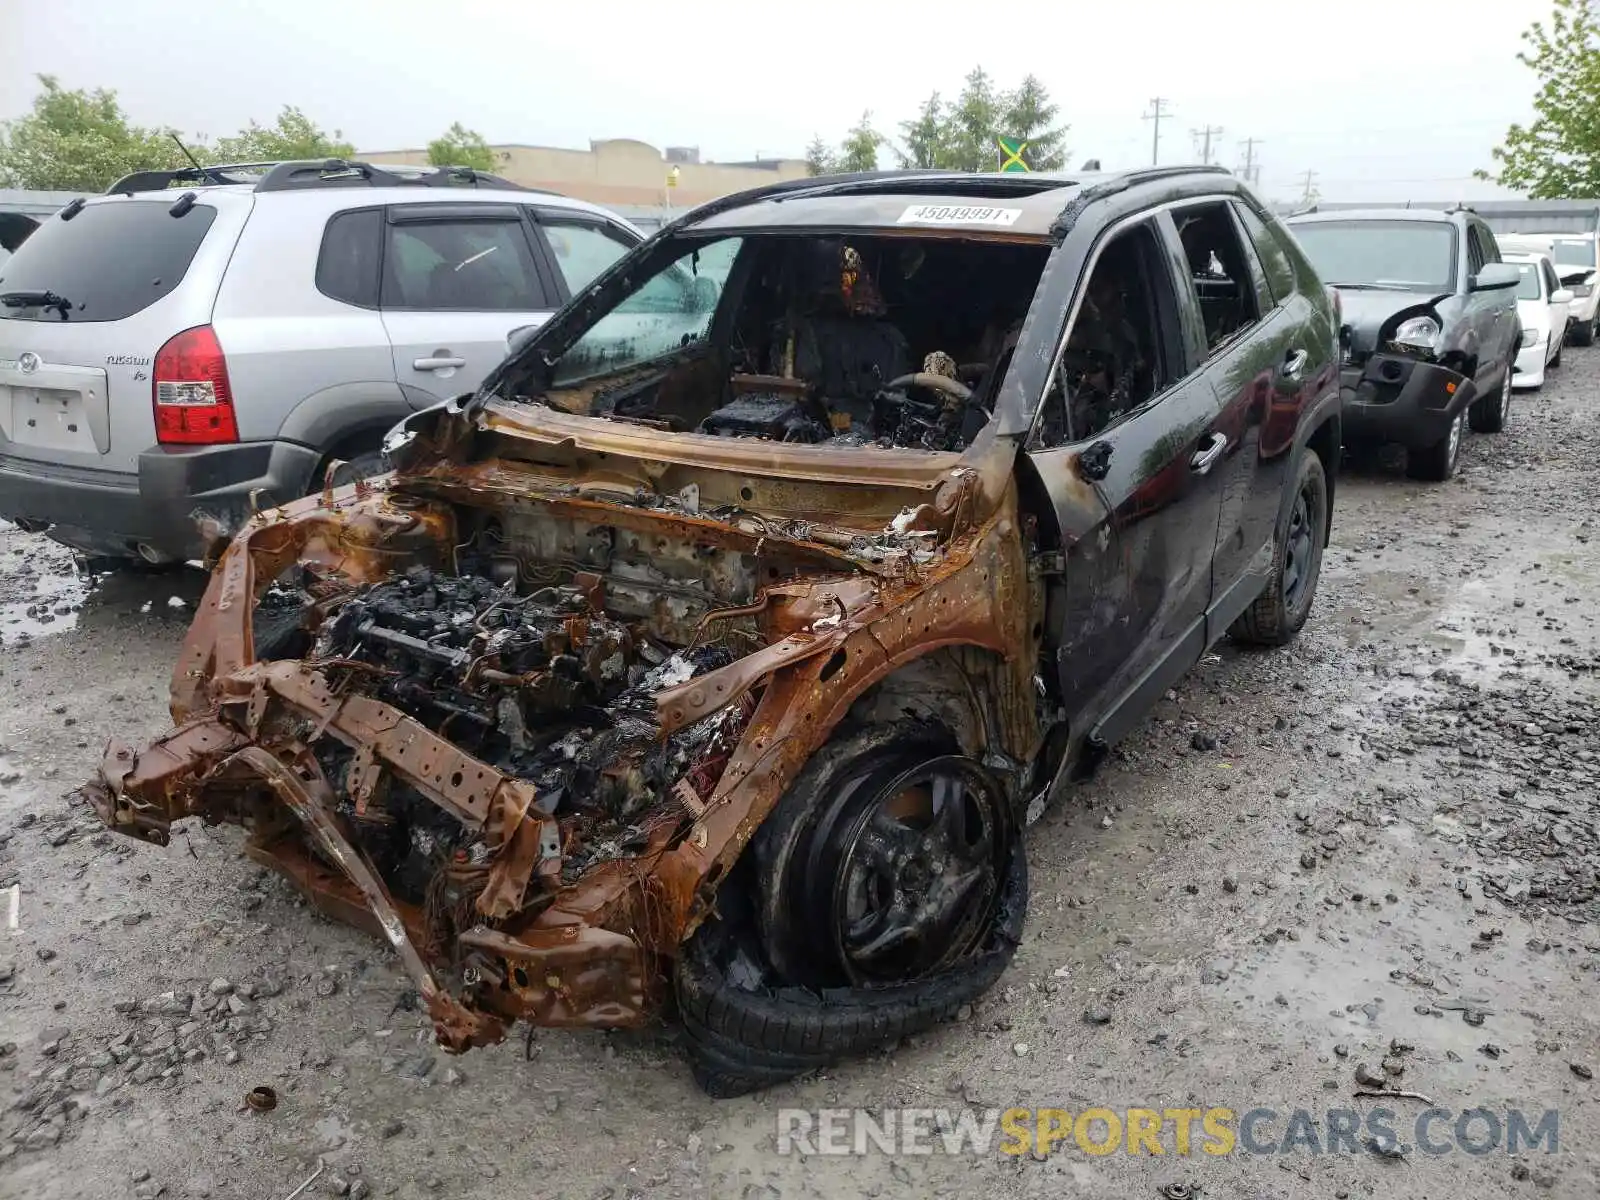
1375, 852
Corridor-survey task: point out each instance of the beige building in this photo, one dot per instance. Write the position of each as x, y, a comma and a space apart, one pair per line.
620, 171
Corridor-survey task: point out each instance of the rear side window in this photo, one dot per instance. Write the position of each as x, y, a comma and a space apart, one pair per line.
351, 256
1269, 249
1220, 269
468, 266
108, 262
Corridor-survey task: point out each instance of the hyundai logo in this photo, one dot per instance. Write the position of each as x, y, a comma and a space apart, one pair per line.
27, 362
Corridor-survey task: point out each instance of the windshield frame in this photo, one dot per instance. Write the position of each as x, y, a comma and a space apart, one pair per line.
1301, 228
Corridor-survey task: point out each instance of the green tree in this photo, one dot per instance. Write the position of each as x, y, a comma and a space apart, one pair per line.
1030, 115
78, 141
1558, 155
974, 124
820, 159
461, 147
860, 149
292, 136
924, 137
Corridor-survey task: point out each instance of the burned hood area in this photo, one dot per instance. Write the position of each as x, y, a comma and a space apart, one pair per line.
714, 672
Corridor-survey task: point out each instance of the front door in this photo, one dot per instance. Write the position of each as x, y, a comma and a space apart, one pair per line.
1124, 444
458, 281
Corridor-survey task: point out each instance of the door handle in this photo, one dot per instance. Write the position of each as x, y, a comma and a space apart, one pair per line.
1206, 457
437, 364
1294, 366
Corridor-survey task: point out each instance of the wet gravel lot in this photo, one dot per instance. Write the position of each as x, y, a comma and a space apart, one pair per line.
1374, 856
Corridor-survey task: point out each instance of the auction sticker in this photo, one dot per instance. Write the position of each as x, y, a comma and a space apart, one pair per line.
958, 214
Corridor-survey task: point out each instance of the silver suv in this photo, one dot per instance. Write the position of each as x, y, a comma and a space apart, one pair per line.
197, 343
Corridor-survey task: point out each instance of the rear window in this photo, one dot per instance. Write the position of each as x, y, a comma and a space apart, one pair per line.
109, 262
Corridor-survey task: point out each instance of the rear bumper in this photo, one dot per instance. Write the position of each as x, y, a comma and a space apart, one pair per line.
162, 507
1394, 398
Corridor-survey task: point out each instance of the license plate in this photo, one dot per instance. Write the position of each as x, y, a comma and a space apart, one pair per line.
50, 418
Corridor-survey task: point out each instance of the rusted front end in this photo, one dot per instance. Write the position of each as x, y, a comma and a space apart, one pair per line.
403, 767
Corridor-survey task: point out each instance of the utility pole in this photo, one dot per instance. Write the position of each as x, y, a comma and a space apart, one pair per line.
1206, 135
1252, 170
1308, 192
1158, 110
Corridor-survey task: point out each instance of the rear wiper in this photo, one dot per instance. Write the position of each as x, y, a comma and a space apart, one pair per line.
35, 300
1363, 287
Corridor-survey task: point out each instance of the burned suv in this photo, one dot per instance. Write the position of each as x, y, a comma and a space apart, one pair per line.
723, 651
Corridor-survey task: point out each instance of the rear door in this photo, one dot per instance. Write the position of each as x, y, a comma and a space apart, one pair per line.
1128, 614
123, 275
458, 279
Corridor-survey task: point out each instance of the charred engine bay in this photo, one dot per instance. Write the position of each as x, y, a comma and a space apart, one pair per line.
543, 685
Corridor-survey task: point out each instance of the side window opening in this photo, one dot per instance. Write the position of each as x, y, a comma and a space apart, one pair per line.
1491, 248
1118, 355
1220, 268
1474, 250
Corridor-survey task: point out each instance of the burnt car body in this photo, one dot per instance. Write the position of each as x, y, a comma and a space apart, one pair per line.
1430, 333
722, 649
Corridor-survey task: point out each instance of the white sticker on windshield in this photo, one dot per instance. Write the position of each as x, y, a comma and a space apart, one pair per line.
958, 214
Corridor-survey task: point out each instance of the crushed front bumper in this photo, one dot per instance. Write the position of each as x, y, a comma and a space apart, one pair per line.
1397, 398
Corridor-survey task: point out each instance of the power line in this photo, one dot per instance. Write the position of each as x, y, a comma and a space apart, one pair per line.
1308, 192
1206, 135
1252, 169
1158, 110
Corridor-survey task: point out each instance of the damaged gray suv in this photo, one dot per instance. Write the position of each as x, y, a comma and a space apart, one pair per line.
723, 654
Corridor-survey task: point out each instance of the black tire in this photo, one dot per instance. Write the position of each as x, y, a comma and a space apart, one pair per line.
1556, 361
741, 1037
1490, 413
1437, 463
1278, 614
1583, 335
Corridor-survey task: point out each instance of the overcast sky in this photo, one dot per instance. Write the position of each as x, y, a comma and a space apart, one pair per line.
1381, 98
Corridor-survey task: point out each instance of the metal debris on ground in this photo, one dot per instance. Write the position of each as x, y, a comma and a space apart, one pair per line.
261, 1099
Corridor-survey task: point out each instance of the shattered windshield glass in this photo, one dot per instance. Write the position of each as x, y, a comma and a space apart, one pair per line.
1416, 256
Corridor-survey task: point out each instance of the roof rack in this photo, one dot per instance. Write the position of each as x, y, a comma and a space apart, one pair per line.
314, 173
338, 172
218, 175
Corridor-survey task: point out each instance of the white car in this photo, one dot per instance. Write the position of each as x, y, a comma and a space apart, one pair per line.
1542, 308
1576, 257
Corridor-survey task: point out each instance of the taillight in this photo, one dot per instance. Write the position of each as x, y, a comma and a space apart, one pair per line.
193, 402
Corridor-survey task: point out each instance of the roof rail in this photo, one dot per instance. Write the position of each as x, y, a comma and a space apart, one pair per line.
338, 172
292, 176
218, 175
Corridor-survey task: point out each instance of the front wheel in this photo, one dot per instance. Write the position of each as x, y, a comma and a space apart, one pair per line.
1282, 608
1556, 361
1583, 334
1490, 413
1437, 463
885, 890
